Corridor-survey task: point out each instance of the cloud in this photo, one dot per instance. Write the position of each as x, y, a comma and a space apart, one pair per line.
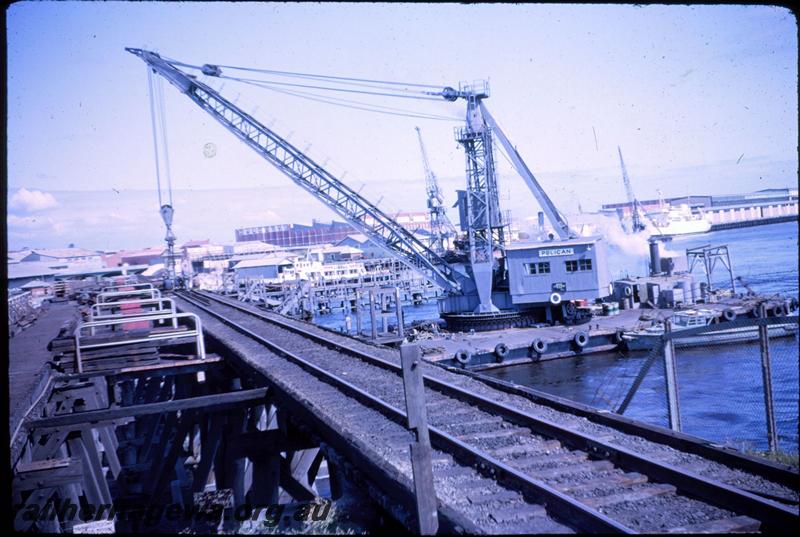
31, 200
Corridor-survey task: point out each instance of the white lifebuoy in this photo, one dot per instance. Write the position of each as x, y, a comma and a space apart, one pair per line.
581, 339
628, 291
729, 315
555, 299
778, 310
539, 346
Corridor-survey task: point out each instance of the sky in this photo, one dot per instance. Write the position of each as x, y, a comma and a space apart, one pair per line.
701, 99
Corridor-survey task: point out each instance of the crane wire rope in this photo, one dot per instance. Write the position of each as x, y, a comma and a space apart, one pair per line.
151, 93
365, 82
327, 88
162, 116
347, 103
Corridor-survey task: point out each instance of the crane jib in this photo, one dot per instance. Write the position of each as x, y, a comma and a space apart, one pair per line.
360, 213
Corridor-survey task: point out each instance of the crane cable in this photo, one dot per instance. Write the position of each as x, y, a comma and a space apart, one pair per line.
151, 93
159, 126
360, 82
333, 79
347, 103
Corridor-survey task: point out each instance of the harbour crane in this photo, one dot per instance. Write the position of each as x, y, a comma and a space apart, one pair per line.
636, 218
441, 229
475, 283
346, 202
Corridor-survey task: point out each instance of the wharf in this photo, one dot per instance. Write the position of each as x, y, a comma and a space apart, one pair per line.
602, 333
28, 354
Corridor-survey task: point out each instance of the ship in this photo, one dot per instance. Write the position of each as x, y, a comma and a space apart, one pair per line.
679, 220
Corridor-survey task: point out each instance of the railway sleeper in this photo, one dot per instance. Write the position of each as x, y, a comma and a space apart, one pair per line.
471, 427
738, 524
639, 493
592, 467
517, 513
607, 481
515, 450
481, 496
494, 434
537, 459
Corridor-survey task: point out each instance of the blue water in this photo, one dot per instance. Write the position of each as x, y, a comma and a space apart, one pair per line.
720, 392
719, 387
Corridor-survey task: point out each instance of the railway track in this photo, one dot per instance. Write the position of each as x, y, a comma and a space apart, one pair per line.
525, 460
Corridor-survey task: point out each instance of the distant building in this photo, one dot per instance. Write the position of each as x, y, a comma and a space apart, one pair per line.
148, 256
273, 268
360, 241
289, 235
64, 255
38, 288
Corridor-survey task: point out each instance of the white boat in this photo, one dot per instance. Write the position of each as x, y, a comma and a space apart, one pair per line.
679, 221
648, 338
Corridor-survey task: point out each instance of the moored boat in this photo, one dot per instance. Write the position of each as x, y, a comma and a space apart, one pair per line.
648, 338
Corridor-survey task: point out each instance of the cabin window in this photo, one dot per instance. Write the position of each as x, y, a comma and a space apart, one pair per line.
536, 268
572, 266
585, 264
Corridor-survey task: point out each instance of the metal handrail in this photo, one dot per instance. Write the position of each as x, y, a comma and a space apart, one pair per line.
148, 293
135, 286
196, 333
96, 312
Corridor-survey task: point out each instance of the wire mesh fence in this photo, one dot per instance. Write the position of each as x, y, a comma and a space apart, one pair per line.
745, 373
733, 384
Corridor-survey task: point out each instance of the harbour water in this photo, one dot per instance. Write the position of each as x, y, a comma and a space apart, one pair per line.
719, 387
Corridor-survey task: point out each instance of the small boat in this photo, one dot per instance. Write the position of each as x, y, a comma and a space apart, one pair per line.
648, 338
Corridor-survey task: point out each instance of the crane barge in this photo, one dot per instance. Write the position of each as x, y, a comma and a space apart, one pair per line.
490, 284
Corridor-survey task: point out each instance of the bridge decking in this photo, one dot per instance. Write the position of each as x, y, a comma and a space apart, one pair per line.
27, 354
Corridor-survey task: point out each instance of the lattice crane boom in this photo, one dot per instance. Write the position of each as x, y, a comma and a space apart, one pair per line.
441, 227
636, 218
360, 213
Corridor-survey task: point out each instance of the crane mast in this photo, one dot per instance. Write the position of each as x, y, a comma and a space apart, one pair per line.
440, 226
360, 213
636, 218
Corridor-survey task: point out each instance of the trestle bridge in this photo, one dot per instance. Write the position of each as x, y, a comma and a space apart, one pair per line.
154, 400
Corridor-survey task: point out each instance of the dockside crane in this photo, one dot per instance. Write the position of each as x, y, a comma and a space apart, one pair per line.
476, 279
636, 218
441, 229
360, 213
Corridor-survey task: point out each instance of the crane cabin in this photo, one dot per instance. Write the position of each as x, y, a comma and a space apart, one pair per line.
552, 272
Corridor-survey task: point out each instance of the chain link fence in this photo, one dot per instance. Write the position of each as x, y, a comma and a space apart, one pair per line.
726, 382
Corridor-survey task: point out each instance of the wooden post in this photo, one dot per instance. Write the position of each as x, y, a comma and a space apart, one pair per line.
671, 378
398, 304
427, 514
372, 314
358, 312
766, 375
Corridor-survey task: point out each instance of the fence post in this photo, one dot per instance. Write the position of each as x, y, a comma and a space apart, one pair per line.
671, 378
398, 311
766, 375
421, 465
372, 314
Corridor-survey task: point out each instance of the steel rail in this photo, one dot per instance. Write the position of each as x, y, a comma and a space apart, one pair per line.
717, 493
585, 517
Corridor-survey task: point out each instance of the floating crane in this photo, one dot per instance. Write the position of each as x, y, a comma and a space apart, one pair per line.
475, 283
441, 228
636, 218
